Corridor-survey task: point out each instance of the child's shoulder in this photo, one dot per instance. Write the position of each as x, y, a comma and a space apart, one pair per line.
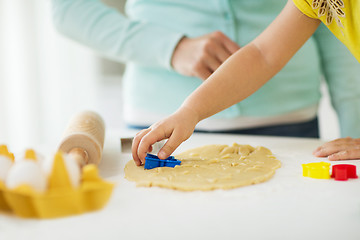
308, 7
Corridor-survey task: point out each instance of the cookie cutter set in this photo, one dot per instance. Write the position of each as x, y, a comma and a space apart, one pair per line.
321, 170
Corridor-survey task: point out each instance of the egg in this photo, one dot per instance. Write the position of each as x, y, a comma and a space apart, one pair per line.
27, 172
72, 168
5, 165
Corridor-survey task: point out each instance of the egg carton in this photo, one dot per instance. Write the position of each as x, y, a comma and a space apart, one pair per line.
61, 198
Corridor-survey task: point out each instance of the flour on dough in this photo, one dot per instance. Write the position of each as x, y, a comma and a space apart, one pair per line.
208, 168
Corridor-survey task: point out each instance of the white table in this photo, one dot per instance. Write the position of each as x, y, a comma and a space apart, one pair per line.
288, 206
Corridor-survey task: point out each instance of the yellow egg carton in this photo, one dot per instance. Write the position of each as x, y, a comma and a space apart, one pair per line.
61, 198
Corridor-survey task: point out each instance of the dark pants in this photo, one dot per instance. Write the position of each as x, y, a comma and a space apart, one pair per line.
308, 129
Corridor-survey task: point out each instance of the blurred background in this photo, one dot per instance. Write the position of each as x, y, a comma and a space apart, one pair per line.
46, 78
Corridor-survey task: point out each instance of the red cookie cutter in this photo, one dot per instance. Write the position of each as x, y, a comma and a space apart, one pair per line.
342, 172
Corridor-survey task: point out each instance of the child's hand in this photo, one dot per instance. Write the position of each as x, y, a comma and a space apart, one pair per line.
176, 128
340, 149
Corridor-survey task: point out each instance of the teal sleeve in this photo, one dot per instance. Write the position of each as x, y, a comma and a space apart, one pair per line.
342, 74
106, 30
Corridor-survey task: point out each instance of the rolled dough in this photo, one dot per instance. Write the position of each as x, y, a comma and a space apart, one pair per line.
208, 168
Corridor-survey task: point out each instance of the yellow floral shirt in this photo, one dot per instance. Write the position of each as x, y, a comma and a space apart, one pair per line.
342, 17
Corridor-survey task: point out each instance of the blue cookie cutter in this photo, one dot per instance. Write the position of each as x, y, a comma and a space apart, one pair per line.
152, 161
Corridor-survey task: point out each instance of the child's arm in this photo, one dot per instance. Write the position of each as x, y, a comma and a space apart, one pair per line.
340, 149
237, 78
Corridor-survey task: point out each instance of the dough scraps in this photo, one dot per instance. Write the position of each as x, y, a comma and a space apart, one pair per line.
208, 168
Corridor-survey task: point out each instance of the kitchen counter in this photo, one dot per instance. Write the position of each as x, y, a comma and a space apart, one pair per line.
288, 206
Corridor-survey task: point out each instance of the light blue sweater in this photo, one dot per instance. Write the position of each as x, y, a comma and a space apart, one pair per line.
146, 39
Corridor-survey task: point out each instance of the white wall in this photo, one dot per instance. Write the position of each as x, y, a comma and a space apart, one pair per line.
45, 78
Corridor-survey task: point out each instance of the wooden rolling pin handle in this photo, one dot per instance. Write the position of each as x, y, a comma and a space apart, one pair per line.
80, 156
84, 138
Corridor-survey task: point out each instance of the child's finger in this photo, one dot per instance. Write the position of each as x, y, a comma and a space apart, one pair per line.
136, 143
172, 143
146, 142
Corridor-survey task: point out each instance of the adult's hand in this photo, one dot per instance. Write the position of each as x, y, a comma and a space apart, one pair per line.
201, 56
340, 149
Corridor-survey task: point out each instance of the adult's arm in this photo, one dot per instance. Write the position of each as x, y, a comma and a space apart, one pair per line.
106, 30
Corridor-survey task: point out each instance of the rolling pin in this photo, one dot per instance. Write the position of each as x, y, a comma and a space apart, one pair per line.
83, 138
